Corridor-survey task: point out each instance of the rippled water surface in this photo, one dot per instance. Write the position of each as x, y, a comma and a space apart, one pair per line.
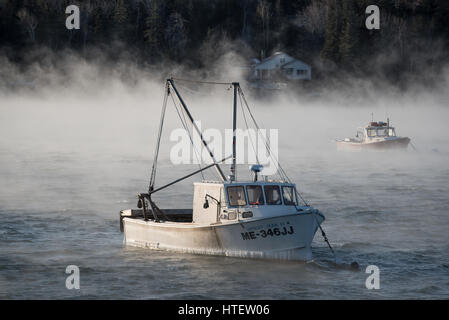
63, 184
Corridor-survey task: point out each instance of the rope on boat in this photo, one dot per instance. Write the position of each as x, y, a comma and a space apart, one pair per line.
202, 82
161, 125
327, 240
247, 127
184, 124
281, 171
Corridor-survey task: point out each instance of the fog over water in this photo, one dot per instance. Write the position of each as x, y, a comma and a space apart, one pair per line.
77, 145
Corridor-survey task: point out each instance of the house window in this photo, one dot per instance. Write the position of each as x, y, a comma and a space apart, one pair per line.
264, 74
301, 72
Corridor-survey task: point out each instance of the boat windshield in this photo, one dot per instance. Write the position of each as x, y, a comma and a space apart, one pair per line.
236, 196
371, 132
255, 195
289, 195
273, 195
380, 132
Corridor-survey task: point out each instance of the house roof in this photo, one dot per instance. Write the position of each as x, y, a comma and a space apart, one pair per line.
276, 54
292, 62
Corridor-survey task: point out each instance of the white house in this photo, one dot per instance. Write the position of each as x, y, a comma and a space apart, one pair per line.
281, 64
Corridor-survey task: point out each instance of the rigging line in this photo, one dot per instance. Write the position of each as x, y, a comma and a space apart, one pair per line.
156, 152
300, 196
195, 91
258, 133
281, 172
247, 127
280, 169
184, 124
217, 167
198, 154
203, 82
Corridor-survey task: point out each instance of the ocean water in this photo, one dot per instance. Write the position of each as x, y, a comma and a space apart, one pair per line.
65, 175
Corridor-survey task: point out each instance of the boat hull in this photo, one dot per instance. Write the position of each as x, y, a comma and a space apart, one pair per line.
399, 143
282, 238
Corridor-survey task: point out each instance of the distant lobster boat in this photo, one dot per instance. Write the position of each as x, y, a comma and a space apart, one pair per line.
374, 136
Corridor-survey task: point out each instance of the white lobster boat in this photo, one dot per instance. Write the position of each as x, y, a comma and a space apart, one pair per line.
251, 219
374, 136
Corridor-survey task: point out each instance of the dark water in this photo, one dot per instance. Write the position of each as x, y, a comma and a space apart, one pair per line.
61, 191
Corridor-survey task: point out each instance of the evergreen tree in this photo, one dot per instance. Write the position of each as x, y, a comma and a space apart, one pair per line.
121, 12
349, 34
330, 49
175, 35
153, 28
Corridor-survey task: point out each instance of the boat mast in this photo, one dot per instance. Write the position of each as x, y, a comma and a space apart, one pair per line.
217, 167
234, 135
388, 127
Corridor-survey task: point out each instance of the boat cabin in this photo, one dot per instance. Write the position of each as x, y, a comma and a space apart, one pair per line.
216, 202
376, 130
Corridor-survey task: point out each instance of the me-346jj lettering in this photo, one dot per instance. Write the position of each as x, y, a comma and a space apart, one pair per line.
275, 232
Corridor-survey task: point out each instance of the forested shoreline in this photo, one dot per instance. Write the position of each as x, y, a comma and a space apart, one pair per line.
412, 42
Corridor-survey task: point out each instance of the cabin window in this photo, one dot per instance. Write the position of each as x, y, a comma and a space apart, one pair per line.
371, 132
255, 195
273, 195
382, 132
236, 196
392, 133
289, 195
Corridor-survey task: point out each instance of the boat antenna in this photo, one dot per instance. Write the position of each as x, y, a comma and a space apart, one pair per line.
233, 176
372, 117
388, 127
